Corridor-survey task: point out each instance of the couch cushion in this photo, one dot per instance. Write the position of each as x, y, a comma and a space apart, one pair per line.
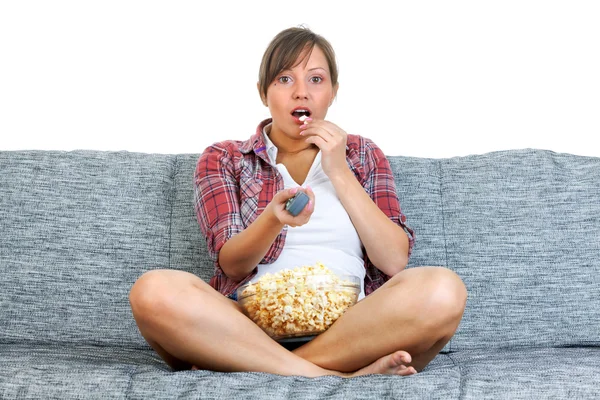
523, 231
93, 372
564, 373
419, 188
188, 246
439, 381
73, 372
76, 230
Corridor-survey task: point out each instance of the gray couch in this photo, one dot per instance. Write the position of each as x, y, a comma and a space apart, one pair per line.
521, 227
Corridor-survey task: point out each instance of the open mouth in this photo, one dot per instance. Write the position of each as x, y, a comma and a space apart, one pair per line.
299, 112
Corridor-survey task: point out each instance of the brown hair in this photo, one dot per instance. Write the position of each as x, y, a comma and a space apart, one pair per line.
284, 50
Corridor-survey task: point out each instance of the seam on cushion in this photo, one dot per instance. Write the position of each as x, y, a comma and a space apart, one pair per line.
444, 230
132, 371
172, 198
461, 384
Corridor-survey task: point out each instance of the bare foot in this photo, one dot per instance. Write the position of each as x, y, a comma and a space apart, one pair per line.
392, 364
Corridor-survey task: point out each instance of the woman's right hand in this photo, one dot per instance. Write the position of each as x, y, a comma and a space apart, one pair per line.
277, 207
243, 251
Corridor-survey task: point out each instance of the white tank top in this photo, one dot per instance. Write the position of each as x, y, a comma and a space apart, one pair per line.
329, 236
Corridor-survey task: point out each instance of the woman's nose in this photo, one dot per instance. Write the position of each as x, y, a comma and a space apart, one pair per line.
300, 90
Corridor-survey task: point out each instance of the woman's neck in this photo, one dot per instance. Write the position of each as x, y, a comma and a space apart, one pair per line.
286, 145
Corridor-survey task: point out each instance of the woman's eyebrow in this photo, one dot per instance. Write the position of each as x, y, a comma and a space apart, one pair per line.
289, 70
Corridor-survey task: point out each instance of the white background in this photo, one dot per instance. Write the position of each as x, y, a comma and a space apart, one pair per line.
420, 78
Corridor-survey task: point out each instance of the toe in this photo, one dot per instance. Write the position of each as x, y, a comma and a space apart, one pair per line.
406, 371
405, 357
402, 357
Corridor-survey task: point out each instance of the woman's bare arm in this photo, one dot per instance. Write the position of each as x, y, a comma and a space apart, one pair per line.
244, 251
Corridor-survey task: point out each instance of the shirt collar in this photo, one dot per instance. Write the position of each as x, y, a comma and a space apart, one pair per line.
271, 148
256, 142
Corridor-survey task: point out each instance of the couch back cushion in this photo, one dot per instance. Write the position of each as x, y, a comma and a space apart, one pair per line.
522, 229
188, 246
76, 230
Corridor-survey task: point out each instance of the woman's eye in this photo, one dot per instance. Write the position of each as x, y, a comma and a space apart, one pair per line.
284, 79
316, 79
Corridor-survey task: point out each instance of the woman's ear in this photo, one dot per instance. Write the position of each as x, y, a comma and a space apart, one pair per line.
262, 98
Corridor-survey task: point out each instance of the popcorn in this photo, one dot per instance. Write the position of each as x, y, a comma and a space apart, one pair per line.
295, 302
304, 118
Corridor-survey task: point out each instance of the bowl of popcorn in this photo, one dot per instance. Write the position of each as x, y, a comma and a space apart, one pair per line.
300, 302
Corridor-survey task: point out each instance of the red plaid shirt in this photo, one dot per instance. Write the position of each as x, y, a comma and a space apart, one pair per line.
234, 182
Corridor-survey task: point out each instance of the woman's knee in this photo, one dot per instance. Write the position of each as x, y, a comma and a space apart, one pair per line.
159, 293
437, 293
145, 293
446, 294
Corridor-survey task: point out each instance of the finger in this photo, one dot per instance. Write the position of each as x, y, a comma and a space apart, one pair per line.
309, 207
317, 131
301, 218
327, 126
308, 190
318, 141
305, 214
285, 194
307, 121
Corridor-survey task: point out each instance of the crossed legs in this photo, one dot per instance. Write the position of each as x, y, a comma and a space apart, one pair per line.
398, 329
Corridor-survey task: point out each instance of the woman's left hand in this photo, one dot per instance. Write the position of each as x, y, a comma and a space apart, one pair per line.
331, 140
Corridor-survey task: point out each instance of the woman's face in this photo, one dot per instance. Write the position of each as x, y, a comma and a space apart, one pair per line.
304, 89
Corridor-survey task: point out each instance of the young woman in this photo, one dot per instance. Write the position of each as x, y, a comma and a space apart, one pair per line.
352, 223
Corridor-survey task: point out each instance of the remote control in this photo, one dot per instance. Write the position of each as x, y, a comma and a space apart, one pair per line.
297, 203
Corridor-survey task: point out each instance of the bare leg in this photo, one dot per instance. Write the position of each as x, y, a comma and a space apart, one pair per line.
188, 323
418, 311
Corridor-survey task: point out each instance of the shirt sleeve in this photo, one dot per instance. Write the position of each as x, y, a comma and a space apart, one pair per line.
217, 202
379, 183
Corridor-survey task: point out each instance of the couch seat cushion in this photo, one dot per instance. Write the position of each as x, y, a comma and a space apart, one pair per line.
440, 380
558, 373
82, 372
34, 372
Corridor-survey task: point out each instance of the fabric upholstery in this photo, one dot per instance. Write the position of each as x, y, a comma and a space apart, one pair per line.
520, 227
529, 373
188, 246
49, 372
77, 229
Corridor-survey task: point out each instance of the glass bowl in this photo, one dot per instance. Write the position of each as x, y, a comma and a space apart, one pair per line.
291, 304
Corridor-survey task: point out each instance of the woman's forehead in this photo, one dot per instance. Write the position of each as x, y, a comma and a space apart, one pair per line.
311, 60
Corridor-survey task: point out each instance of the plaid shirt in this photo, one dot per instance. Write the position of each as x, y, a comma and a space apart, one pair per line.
234, 182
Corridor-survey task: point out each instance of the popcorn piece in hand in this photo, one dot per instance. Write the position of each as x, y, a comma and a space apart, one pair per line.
304, 119
302, 301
